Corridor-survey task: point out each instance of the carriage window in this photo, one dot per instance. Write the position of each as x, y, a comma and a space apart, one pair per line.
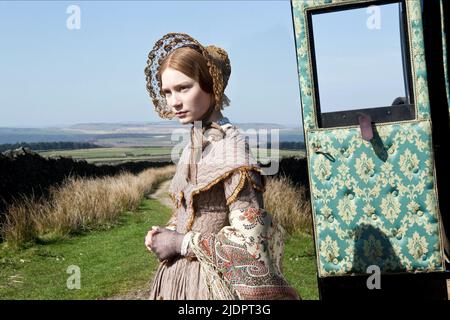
360, 62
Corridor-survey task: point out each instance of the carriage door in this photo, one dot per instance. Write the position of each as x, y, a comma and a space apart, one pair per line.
366, 118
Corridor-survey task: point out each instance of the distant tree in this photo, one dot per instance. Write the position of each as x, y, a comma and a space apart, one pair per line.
288, 145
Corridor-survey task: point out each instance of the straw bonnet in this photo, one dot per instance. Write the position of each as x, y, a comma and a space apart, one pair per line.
216, 59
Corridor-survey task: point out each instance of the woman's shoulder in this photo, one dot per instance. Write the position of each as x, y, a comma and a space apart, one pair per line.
218, 133
231, 150
231, 132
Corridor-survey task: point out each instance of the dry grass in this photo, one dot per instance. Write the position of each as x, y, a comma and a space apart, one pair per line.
289, 205
79, 204
82, 204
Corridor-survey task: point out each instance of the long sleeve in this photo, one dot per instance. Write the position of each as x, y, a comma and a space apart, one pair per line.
244, 258
172, 223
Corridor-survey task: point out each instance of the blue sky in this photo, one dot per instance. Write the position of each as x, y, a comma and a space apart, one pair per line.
358, 67
51, 75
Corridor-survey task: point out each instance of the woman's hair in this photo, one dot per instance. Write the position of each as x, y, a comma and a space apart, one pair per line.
191, 63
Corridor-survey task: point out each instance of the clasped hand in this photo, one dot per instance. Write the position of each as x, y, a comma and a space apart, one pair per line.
165, 243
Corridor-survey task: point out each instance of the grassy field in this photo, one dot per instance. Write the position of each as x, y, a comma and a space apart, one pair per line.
153, 141
114, 261
120, 154
113, 154
111, 261
299, 265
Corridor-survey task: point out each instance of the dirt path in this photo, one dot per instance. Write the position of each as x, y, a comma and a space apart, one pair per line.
162, 195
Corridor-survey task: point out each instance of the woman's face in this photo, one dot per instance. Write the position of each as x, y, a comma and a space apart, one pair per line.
184, 96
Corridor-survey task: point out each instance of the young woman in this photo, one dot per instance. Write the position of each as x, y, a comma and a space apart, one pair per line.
220, 242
